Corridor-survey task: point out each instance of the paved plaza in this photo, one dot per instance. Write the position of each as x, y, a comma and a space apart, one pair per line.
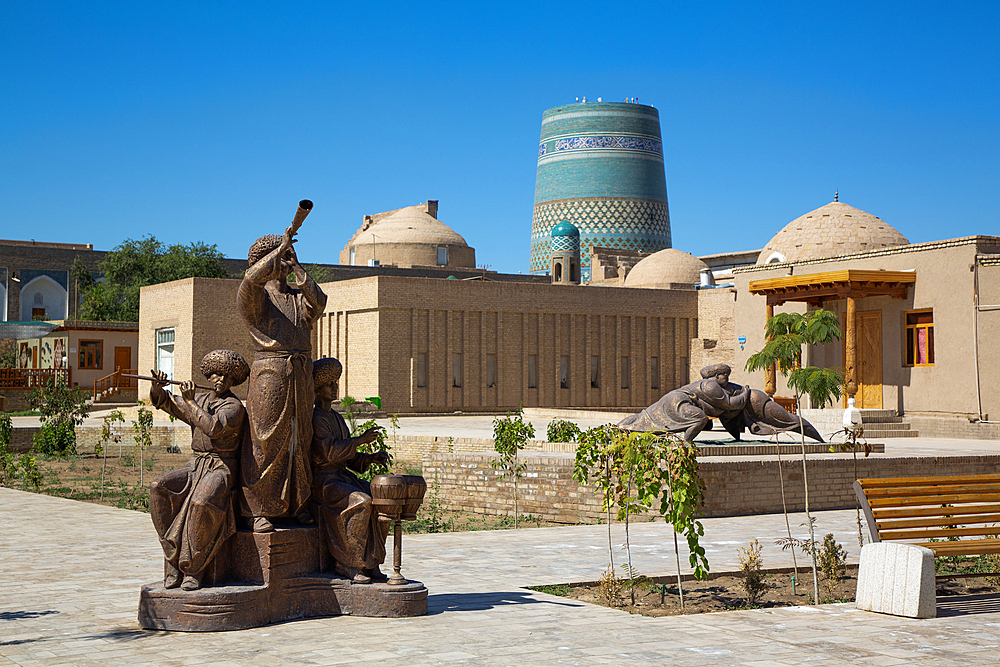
70, 574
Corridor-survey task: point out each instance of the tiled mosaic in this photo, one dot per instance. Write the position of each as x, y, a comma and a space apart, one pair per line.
612, 223
564, 144
565, 244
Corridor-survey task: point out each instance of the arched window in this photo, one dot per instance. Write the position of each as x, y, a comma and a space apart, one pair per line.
558, 272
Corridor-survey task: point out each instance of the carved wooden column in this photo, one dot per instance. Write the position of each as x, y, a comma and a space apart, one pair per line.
770, 385
851, 349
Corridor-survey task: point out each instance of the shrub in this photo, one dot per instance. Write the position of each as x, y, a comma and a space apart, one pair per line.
56, 438
609, 588
8, 465
381, 444
563, 431
750, 570
832, 561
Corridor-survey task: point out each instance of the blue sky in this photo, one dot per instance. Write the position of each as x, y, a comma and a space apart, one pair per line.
199, 123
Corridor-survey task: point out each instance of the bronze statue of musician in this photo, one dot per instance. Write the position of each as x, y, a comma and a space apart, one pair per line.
355, 533
192, 507
276, 476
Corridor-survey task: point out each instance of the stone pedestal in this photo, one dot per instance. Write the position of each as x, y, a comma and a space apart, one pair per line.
272, 577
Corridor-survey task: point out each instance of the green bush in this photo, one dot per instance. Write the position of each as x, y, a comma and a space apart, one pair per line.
8, 465
56, 438
563, 431
6, 429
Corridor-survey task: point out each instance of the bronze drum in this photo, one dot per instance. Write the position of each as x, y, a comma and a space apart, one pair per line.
398, 496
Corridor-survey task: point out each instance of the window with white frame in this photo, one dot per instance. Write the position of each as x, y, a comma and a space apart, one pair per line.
165, 351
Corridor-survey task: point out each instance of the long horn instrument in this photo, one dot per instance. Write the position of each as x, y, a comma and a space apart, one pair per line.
152, 379
300, 215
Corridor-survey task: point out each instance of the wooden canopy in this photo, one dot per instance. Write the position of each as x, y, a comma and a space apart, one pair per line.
815, 288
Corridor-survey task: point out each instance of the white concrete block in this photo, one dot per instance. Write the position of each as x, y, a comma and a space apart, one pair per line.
897, 579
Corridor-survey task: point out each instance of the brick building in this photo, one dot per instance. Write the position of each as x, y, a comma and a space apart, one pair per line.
433, 345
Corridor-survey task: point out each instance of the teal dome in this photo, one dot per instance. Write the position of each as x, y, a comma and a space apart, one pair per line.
565, 228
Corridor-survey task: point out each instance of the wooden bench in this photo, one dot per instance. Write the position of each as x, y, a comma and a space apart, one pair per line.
916, 510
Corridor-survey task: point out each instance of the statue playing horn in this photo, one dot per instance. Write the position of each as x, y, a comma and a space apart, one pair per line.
691, 408
275, 468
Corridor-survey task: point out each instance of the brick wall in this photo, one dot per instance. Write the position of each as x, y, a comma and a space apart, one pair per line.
547, 489
942, 427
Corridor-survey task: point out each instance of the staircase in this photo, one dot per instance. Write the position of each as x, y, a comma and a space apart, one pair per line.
114, 385
877, 424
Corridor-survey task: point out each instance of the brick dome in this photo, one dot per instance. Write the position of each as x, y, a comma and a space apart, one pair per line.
667, 266
410, 225
829, 231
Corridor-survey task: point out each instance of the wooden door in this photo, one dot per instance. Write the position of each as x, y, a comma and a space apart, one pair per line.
123, 361
869, 359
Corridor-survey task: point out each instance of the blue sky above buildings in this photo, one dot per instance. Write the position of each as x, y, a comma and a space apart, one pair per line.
209, 124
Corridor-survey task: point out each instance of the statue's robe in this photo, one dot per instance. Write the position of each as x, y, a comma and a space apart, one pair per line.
275, 469
343, 503
192, 507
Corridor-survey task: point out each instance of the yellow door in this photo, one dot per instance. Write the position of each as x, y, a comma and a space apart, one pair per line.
869, 359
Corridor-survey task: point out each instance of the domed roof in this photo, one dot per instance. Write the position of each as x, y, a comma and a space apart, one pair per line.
410, 225
565, 228
829, 231
665, 267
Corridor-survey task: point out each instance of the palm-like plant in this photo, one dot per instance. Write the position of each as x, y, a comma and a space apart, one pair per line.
786, 334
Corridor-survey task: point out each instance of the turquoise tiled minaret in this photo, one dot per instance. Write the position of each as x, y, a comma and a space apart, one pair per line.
600, 167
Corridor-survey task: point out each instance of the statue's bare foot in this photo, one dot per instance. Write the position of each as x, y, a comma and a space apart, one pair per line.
261, 524
305, 519
173, 578
191, 583
376, 574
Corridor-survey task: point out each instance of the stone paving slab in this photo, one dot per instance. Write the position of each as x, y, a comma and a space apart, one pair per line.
70, 574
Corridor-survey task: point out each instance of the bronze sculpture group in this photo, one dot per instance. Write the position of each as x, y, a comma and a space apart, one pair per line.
289, 460
286, 457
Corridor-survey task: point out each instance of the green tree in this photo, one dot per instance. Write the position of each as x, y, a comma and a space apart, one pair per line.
510, 435
786, 335
136, 264
61, 409
631, 470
